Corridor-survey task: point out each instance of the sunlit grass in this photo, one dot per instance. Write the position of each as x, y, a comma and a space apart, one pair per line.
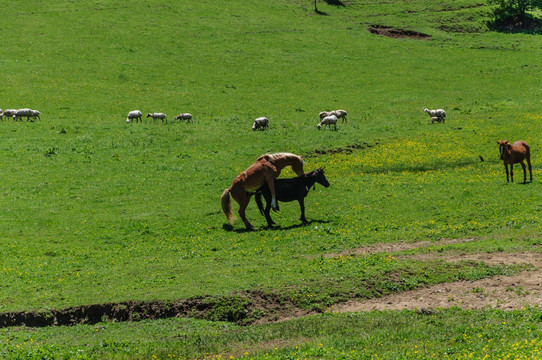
96, 210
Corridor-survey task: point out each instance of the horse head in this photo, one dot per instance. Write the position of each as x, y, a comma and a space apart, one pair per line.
504, 148
320, 177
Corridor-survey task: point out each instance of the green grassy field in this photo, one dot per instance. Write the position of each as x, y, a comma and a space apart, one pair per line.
96, 210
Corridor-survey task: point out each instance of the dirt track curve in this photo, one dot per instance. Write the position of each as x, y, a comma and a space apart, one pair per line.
499, 292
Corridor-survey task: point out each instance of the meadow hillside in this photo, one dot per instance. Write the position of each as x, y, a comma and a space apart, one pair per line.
99, 211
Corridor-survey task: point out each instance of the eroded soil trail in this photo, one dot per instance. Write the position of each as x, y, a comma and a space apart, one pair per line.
500, 292
396, 247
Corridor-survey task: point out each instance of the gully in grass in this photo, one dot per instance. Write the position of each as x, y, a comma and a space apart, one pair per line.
289, 190
264, 171
513, 154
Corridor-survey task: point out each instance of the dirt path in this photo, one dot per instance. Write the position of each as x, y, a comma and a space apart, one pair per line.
500, 292
396, 247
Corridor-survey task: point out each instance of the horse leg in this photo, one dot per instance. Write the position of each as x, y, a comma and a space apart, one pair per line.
302, 206
267, 213
242, 199
507, 176
530, 169
512, 172
242, 209
271, 184
264, 211
524, 172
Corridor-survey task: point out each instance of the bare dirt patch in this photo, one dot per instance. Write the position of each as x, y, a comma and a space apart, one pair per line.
349, 149
396, 247
523, 258
500, 292
397, 33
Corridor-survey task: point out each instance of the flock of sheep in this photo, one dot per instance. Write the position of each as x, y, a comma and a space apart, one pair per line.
136, 115
438, 115
330, 118
19, 114
327, 118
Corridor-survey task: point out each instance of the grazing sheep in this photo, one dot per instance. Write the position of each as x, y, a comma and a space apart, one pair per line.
134, 116
340, 114
260, 123
8, 113
328, 120
439, 113
184, 116
435, 118
155, 116
23, 112
323, 114
36, 115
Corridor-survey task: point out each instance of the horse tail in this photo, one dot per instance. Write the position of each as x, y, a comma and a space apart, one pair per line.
226, 205
258, 199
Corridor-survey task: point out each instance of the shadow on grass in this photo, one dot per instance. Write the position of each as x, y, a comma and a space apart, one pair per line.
335, 2
229, 227
507, 22
280, 228
420, 168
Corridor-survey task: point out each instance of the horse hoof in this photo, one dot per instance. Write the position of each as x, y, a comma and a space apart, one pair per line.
249, 226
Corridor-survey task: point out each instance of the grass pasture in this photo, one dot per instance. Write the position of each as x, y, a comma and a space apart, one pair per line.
97, 210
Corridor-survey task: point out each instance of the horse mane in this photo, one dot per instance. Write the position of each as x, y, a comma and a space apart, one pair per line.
271, 157
308, 174
312, 172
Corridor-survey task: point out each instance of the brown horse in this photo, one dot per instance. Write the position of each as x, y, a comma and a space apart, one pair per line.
264, 171
513, 154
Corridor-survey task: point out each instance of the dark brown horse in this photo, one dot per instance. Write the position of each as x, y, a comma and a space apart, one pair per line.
513, 154
264, 171
289, 190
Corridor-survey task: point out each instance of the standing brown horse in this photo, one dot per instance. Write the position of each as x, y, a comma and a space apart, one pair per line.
265, 170
513, 154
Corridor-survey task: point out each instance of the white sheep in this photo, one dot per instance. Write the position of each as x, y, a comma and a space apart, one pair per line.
439, 113
340, 114
36, 115
23, 112
260, 123
434, 119
8, 113
134, 116
328, 120
323, 114
155, 116
184, 116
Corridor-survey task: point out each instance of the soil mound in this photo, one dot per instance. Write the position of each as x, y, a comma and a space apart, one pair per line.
244, 309
397, 33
